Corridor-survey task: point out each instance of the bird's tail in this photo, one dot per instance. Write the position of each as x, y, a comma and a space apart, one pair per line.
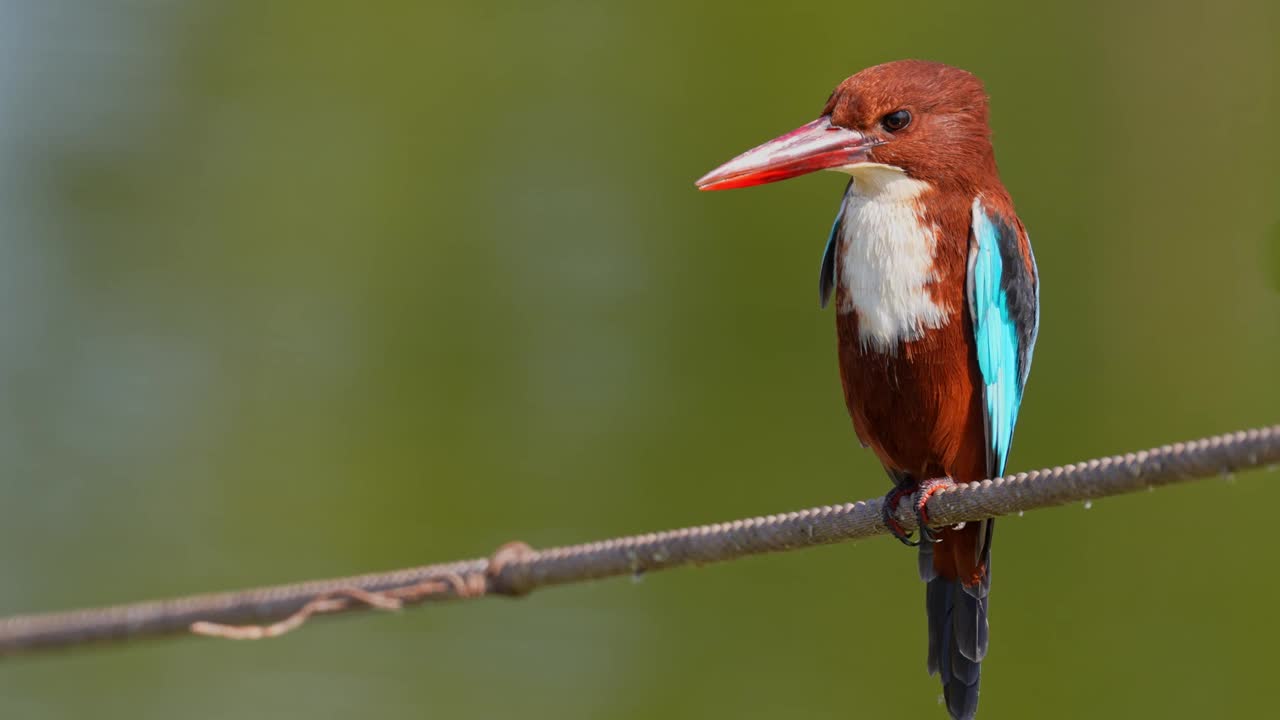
958, 572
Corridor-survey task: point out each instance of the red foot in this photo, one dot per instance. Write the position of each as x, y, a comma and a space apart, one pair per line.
890, 506
926, 490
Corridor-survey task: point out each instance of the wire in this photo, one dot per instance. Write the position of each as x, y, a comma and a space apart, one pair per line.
516, 569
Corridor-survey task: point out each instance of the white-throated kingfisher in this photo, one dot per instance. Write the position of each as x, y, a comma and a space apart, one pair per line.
937, 309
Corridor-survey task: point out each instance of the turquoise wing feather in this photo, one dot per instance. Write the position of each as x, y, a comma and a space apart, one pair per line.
1004, 304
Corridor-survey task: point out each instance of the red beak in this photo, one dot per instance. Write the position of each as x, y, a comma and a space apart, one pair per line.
816, 146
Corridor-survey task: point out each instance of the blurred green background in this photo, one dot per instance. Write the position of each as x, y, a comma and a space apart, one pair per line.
302, 289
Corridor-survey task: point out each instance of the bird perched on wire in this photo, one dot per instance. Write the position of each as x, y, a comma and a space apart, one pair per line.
937, 309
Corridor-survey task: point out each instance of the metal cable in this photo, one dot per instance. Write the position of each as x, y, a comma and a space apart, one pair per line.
516, 569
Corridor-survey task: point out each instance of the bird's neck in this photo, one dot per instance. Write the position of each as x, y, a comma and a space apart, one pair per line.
887, 250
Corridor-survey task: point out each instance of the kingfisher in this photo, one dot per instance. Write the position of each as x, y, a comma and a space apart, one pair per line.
937, 310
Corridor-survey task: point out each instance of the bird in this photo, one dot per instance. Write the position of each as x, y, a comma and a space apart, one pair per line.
936, 296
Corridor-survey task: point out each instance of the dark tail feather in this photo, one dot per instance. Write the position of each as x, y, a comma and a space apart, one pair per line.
957, 635
957, 643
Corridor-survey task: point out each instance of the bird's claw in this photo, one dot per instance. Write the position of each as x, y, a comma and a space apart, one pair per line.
890, 506
924, 491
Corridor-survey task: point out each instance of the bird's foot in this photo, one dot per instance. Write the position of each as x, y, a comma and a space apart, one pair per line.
921, 498
890, 506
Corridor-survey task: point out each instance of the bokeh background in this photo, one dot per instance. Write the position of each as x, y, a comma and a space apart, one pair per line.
302, 289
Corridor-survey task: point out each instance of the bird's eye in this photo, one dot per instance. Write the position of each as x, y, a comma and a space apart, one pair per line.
896, 120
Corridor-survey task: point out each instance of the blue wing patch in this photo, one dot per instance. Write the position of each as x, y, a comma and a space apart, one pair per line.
1004, 305
827, 273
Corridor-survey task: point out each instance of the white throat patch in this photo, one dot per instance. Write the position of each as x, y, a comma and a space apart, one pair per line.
886, 258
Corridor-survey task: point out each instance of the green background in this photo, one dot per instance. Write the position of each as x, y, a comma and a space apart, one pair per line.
303, 289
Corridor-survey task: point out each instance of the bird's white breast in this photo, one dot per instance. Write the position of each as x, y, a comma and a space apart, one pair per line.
886, 259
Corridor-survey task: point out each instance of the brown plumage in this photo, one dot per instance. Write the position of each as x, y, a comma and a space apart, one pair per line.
935, 325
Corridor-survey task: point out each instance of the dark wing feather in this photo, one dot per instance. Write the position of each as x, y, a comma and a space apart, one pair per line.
827, 273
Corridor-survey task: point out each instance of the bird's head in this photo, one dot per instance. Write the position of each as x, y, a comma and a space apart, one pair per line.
922, 119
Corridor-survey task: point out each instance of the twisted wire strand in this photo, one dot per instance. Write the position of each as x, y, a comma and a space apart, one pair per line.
516, 569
